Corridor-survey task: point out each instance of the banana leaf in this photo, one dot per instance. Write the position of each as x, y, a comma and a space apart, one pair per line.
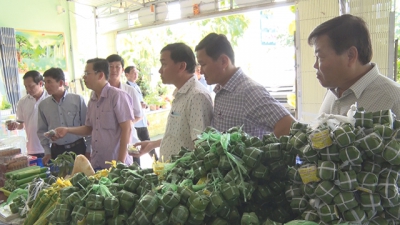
372, 167
224, 163
299, 204
252, 157
140, 216
97, 217
347, 180
272, 151
127, 200
393, 212
345, 201
199, 169
67, 191
292, 190
383, 131
230, 191
372, 144
211, 160
118, 220
367, 180
344, 135
298, 140
238, 149
216, 203
249, 219
364, 119
231, 176
95, 202
391, 153
285, 144
355, 215
350, 155
76, 198
389, 170
297, 126
198, 203
371, 202
378, 221
131, 184
61, 213
169, 200
185, 194
196, 218
219, 221
263, 193
80, 180
179, 215
160, 217
330, 153
349, 167
149, 203
261, 172
384, 117
79, 213
388, 190
326, 191
327, 170
270, 222
310, 215
327, 213
111, 206
309, 189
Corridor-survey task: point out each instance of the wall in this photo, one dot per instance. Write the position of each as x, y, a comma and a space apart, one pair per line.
40, 15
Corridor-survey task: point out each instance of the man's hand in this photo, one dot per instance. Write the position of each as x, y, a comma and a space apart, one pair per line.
46, 159
145, 147
60, 133
12, 125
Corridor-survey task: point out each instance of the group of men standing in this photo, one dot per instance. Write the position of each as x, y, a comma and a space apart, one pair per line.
343, 53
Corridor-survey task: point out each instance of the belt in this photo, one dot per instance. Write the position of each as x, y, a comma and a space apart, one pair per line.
70, 145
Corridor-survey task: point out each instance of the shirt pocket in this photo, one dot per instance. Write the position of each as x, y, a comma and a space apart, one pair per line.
174, 125
73, 118
107, 120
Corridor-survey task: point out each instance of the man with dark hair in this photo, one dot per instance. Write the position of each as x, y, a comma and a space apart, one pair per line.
27, 112
239, 100
191, 110
131, 73
116, 69
108, 119
61, 109
343, 53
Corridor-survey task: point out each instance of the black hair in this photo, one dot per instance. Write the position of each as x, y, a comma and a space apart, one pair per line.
36, 76
100, 65
115, 58
129, 68
215, 45
180, 52
55, 73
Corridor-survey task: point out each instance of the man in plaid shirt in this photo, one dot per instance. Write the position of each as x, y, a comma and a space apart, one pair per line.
239, 100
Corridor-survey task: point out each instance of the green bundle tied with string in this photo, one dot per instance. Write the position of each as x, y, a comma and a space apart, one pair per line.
111, 206
169, 200
198, 203
160, 217
127, 200
131, 184
78, 213
344, 135
345, 201
179, 215
252, 157
249, 219
94, 201
149, 203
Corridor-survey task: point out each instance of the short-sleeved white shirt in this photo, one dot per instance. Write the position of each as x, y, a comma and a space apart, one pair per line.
137, 108
191, 112
27, 111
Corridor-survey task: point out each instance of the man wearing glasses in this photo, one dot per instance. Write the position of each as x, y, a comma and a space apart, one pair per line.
108, 117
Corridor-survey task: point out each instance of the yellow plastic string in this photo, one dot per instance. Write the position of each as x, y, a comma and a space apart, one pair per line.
113, 163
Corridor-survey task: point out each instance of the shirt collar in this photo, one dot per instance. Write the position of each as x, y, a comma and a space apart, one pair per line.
186, 87
103, 94
131, 83
44, 95
232, 82
360, 85
62, 99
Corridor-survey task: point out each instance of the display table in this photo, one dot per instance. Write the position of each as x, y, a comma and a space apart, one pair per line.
158, 121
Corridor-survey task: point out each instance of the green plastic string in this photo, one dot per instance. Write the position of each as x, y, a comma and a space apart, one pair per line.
170, 166
225, 139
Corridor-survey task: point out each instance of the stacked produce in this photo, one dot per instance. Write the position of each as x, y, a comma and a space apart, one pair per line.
229, 178
350, 170
20, 178
11, 159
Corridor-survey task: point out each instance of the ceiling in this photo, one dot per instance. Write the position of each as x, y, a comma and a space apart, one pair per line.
106, 8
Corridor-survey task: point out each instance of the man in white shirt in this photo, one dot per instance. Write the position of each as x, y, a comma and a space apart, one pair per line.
27, 112
116, 68
191, 110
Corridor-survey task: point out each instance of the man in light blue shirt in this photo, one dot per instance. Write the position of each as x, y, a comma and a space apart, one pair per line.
62, 109
131, 74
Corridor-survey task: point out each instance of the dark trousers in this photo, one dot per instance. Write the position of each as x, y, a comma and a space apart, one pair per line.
143, 135
79, 147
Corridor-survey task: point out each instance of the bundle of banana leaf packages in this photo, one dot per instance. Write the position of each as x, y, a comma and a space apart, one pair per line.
298, 126
179, 215
160, 217
249, 219
389, 192
127, 200
96, 217
355, 215
131, 184
66, 192
371, 166
326, 191
383, 131
169, 200
327, 213
371, 202
80, 180
330, 153
111, 206
121, 219
61, 214
327, 170
76, 198
364, 119
309, 154
299, 204
347, 180
391, 153
384, 117
371, 144
78, 214
309, 189
310, 215
298, 140
344, 135
94, 201
350, 155
345, 201
367, 180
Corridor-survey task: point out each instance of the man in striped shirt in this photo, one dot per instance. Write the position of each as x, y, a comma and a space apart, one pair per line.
239, 100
